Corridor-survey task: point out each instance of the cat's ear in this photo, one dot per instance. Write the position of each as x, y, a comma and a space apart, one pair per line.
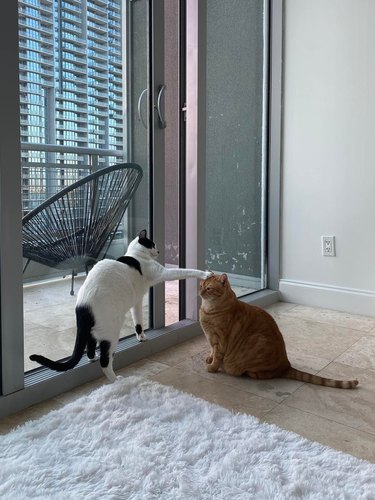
143, 234
223, 279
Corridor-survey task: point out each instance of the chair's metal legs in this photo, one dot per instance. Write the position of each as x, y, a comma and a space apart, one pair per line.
27, 263
72, 287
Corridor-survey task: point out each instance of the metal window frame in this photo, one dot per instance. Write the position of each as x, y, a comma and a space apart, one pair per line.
12, 347
275, 114
157, 153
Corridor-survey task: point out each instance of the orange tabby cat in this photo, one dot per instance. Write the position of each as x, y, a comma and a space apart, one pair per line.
245, 339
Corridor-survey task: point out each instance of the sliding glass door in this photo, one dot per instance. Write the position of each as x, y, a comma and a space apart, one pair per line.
236, 140
96, 89
84, 104
227, 110
104, 82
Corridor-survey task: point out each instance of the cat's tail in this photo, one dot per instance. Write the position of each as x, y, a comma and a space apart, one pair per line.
85, 322
293, 373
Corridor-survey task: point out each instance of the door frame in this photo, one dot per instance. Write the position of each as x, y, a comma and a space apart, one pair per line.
11, 335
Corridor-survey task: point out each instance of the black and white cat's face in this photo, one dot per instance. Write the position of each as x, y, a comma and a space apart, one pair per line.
143, 245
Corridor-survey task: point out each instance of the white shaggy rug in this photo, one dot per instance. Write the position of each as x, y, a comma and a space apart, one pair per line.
136, 439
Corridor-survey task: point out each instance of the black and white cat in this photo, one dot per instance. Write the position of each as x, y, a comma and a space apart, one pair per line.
111, 289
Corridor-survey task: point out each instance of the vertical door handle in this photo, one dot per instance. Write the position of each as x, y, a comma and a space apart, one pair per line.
162, 122
140, 116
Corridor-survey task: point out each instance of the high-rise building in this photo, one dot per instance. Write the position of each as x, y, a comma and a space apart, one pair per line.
71, 88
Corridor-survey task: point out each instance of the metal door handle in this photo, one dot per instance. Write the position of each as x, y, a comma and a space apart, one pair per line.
162, 122
140, 116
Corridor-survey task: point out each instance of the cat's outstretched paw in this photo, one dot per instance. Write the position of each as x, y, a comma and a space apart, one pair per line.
141, 337
209, 360
207, 274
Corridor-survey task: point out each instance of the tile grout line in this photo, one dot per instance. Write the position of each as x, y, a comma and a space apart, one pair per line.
329, 419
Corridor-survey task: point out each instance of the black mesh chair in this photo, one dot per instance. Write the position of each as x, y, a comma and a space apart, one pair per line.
75, 227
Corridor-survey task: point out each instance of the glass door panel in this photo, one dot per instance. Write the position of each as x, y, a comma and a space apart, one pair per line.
84, 105
235, 142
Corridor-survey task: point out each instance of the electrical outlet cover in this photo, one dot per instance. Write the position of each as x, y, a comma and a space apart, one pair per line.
328, 246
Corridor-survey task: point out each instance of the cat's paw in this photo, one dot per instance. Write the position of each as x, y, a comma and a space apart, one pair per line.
207, 274
211, 368
141, 337
110, 375
209, 360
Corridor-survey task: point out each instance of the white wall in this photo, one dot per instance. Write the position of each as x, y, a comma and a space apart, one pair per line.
328, 171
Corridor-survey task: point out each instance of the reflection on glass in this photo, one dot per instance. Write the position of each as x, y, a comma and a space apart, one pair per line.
235, 142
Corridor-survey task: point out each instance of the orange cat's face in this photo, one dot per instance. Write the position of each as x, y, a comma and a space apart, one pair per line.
213, 287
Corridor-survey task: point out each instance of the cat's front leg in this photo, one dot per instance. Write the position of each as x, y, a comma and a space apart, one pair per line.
210, 358
216, 360
214, 366
137, 320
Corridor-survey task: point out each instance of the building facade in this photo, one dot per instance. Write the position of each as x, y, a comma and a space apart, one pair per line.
71, 90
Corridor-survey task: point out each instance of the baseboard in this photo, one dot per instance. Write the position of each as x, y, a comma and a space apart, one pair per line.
350, 300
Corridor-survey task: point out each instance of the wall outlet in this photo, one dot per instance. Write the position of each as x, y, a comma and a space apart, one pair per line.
328, 246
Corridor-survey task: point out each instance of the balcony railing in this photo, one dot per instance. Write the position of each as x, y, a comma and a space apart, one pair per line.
48, 168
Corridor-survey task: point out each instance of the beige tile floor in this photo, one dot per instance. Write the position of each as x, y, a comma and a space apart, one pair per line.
330, 343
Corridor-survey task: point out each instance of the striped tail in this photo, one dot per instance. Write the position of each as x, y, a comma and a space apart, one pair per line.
294, 374
85, 322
